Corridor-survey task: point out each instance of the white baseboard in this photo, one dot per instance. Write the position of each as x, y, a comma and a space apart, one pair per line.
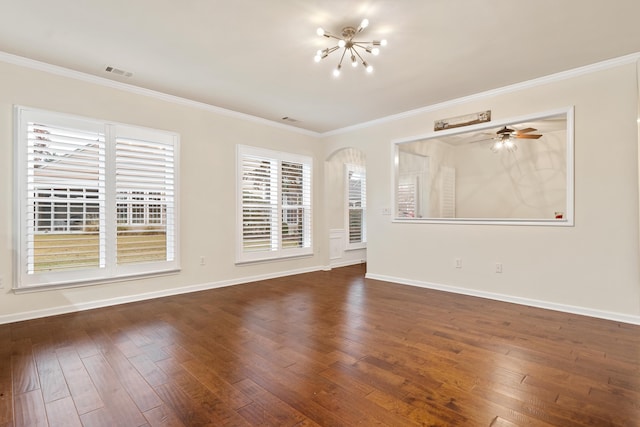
344, 263
600, 314
72, 308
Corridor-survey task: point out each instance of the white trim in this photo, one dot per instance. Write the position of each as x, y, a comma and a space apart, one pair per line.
568, 220
565, 308
551, 78
72, 308
344, 264
277, 250
107, 270
65, 72
102, 81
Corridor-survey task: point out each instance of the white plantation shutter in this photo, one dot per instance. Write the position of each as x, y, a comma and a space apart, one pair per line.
407, 196
356, 206
296, 204
65, 198
92, 197
145, 186
259, 187
274, 205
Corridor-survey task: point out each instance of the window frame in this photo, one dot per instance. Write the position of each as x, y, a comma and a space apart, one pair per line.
107, 270
348, 169
276, 250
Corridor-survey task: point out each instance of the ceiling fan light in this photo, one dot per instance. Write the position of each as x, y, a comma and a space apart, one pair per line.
497, 146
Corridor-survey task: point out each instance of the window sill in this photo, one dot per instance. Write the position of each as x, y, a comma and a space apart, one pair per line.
80, 284
274, 259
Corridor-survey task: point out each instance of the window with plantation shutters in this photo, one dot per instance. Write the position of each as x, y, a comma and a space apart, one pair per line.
274, 205
95, 201
356, 194
407, 196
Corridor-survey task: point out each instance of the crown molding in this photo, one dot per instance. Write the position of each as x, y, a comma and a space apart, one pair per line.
102, 81
89, 78
563, 75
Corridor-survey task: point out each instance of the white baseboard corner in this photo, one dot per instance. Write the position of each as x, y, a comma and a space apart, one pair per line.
583, 311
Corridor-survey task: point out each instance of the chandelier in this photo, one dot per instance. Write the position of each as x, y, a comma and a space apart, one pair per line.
350, 47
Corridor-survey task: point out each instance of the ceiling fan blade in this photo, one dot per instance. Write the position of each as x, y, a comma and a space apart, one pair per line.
528, 136
526, 130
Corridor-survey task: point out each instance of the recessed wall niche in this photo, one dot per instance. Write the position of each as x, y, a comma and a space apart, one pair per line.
516, 171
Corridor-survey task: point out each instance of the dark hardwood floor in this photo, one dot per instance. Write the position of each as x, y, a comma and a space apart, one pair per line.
325, 348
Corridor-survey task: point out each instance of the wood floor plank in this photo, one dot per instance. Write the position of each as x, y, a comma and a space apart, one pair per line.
83, 391
62, 413
116, 400
25, 376
30, 410
6, 384
328, 348
279, 412
52, 381
163, 416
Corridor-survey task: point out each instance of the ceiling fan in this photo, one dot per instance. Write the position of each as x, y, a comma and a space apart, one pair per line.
504, 138
515, 133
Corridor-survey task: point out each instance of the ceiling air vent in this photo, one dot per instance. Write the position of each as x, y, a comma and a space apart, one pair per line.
118, 71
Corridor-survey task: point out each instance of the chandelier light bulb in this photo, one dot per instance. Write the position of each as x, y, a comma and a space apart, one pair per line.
320, 31
342, 43
317, 58
336, 71
375, 51
354, 63
383, 42
364, 24
369, 69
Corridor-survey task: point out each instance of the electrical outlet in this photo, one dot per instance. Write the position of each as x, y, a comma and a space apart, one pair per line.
498, 267
458, 263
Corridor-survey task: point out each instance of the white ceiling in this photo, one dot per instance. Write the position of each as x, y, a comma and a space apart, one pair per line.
256, 56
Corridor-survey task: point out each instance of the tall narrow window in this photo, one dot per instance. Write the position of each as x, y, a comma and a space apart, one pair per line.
274, 205
356, 206
95, 201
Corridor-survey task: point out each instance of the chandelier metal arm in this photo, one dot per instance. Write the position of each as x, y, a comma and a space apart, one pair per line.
342, 58
361, 58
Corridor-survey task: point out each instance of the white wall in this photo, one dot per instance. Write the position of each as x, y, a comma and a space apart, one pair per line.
591, 267
207, 187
